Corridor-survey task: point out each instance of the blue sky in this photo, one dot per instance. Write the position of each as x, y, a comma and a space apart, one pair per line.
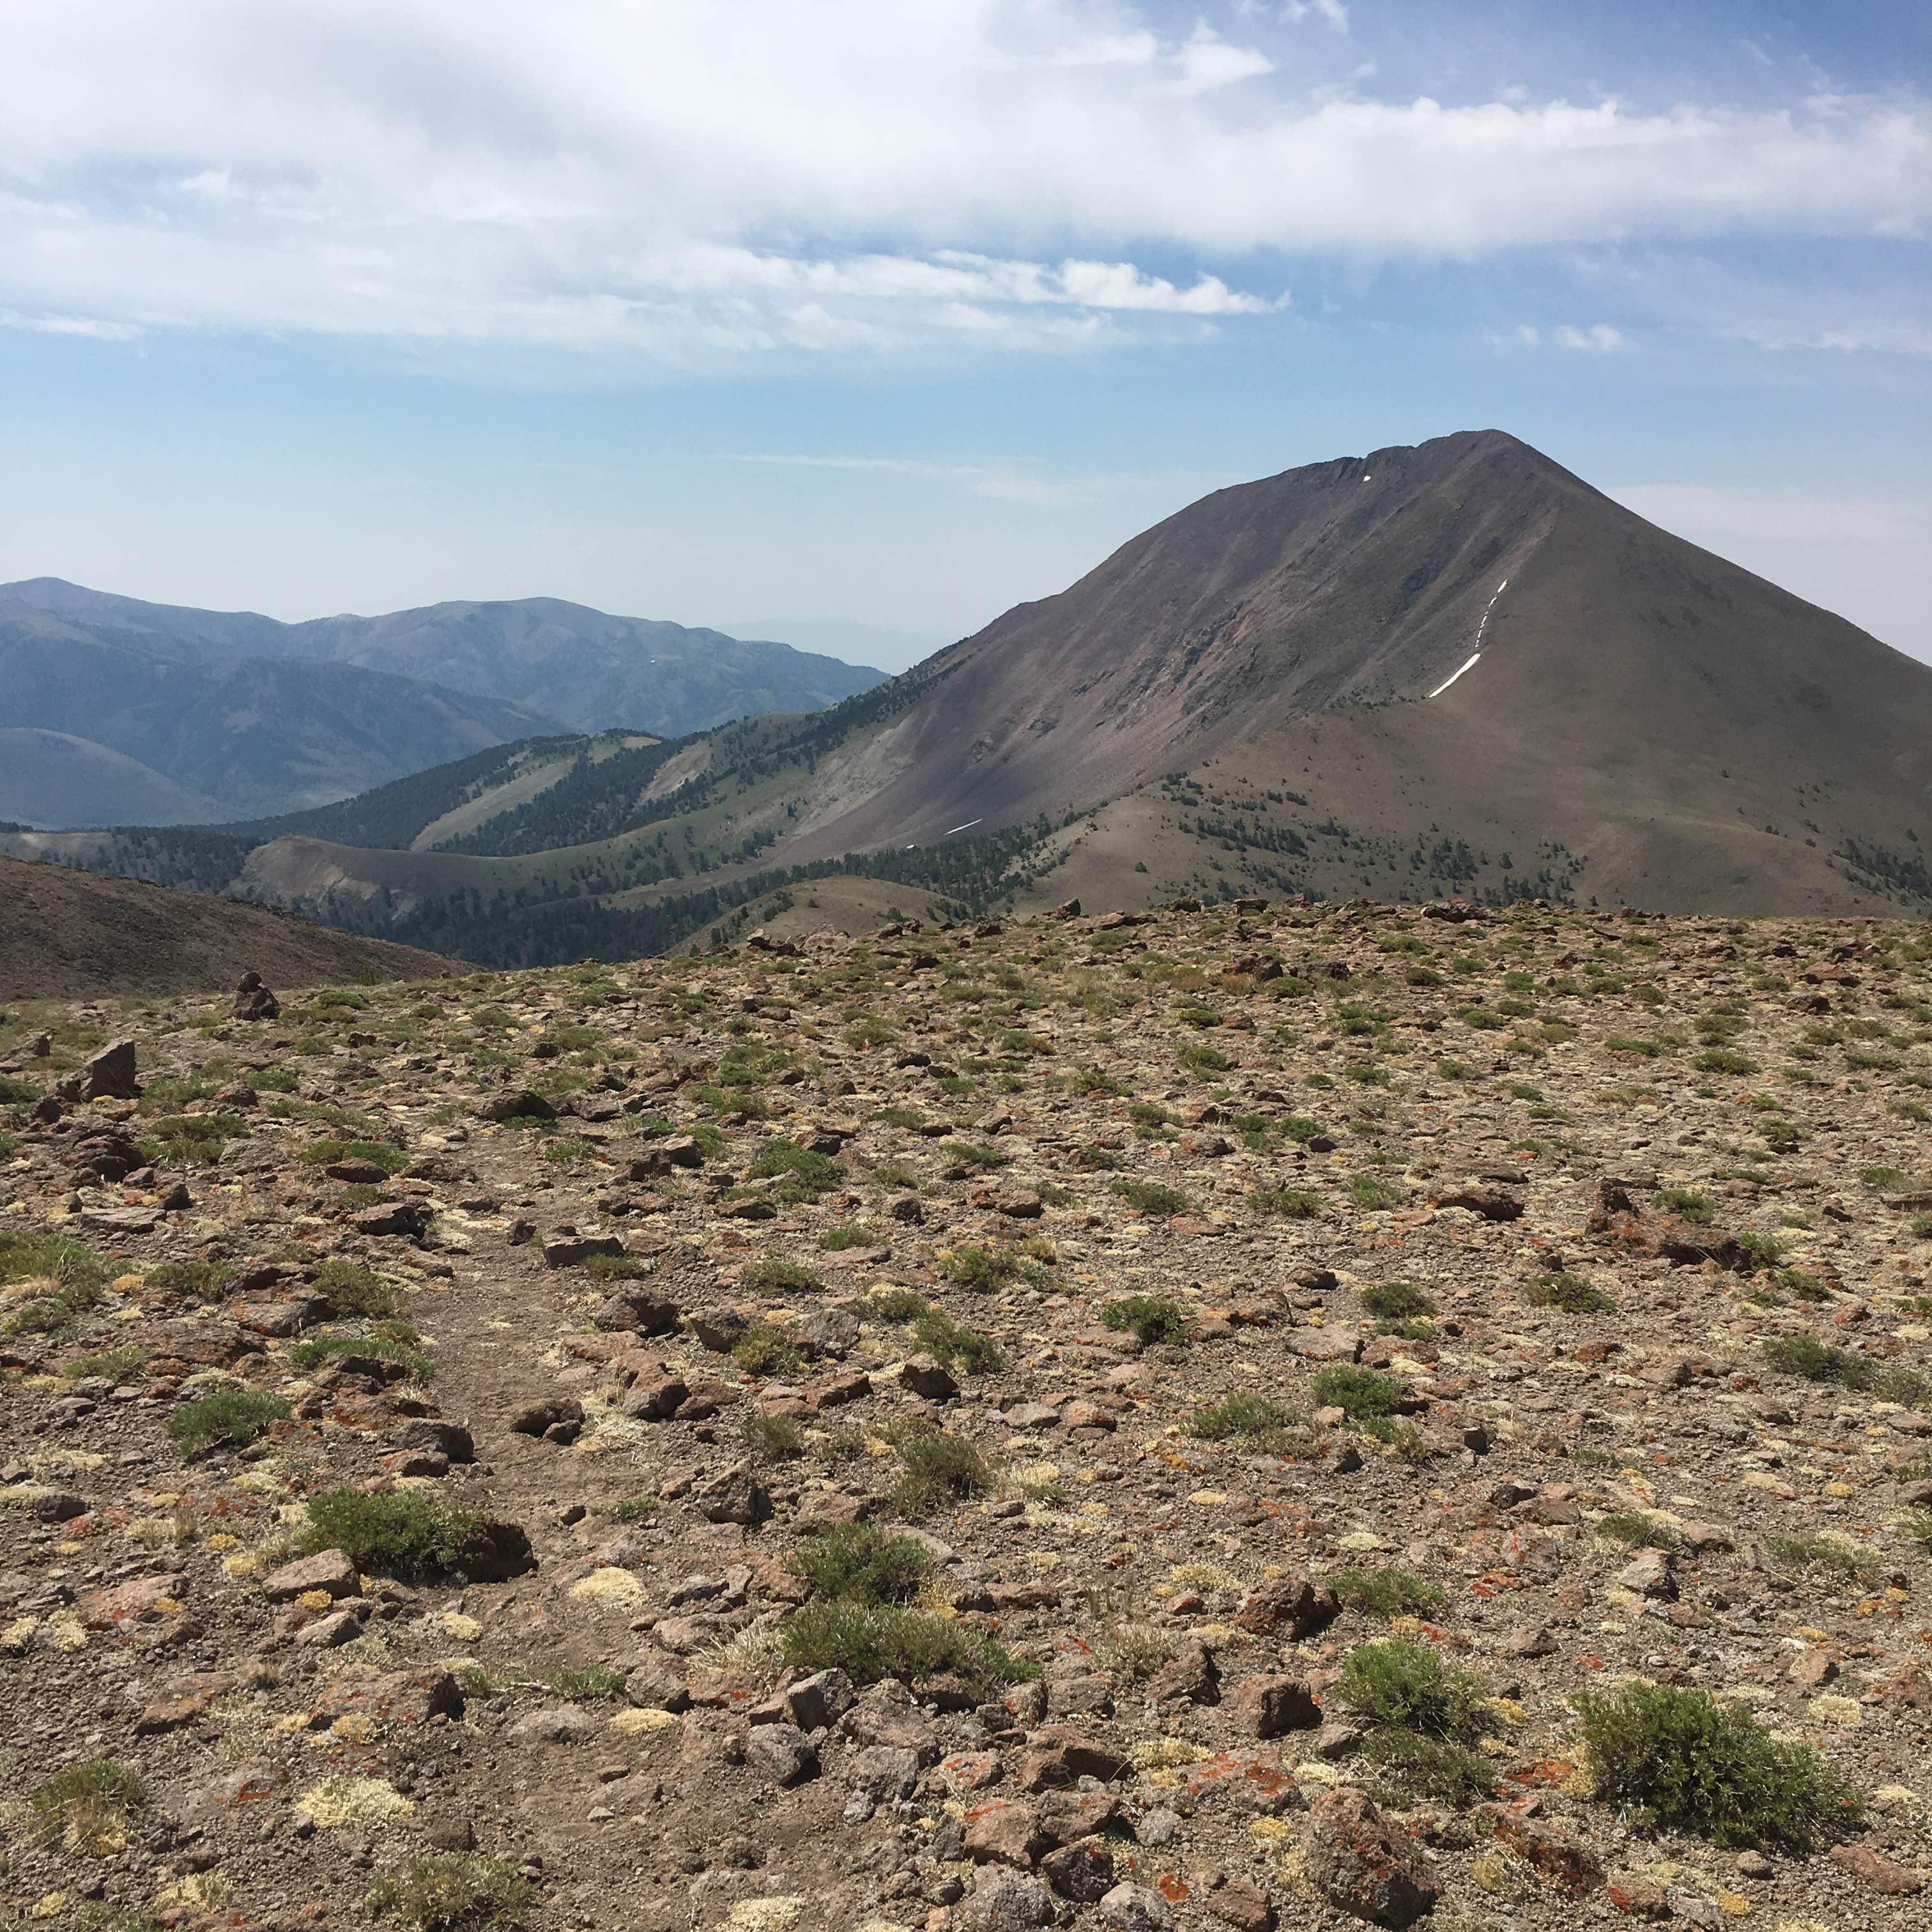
902, 310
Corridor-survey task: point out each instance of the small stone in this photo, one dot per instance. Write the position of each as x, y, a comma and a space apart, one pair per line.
1002, 1900
555, 1724
925, 1375
330, 1570
1267, 1705
1137, 1908
782, 1753
1884, 1875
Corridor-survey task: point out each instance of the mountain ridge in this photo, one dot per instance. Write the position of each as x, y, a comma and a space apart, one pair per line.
1450, 670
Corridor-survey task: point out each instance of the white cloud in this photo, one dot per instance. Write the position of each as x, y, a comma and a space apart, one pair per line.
1600, 338
1332, 11
760, 176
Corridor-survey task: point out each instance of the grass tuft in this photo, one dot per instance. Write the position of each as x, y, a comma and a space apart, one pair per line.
230, 1418
1681, 1761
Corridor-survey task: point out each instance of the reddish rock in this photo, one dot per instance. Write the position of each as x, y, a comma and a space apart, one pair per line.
1005, 1832
328, 1570
1269, 1705
1571, 1867
1289, 1607
389, 1697
1884, 1875
139, 1601
1361, 1863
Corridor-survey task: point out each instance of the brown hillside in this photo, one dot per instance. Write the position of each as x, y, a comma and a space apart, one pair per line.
66, 934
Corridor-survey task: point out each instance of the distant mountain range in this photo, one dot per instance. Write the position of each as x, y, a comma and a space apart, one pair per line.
214, 715
1451, 670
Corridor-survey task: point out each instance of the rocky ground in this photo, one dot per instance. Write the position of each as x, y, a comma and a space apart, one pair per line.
976, 1428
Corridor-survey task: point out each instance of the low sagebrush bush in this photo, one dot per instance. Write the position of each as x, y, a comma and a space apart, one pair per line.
1361, 1394
1252, 1418
230, 1416
378, 1154
1151, 1197
69, 1278
763, 1351
804, 1172
1396, 1300
1292, 1204
85, 1806
1151, 1317
1409, 1767
1633, 1529
450, 1892
1385, 1593
872, 1642
352, 1290
1681, 1761
772, 1438
403, 1533
1406, 1686
1571, 1293
937, 1469
855, 1563
959, 1347
772, 1274
206, 1279
983, 1270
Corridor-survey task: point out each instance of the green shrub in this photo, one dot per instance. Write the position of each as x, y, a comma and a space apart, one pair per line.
763, 1351
1806, 1357
1396, 1300
85, 1806
771, 1274
982, 1270
1361, 1394
1571, 1293
1385, 1593
959, 1347
17, 1093
405, 1533
1151, 1317
892, 1304
974, 1154
1823, 1552
356, 1291
1632, 1528
1292, 1204
834, 1240
1244, 1415
451, 1891
1402, 1686
230, 1416
616, 1267
1724, 1060
872, 1642
1805, 1287
192, 1140
1683, 1762
855, 1563
772, 1438
205, 1280
1409, 1767
379, 1153
75, 1276
115, 1365
1150, 1197
937, 1469
1202, 1060
1370, 1191
581, 1682
803, 1172
394, 1342
1687, 1203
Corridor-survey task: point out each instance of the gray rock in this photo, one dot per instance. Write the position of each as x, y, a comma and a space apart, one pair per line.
820, 1699
882, 1771
734, 1495
330, 1570
1137, 1908
925, 1375
781, 1753
1159, 1827
1002, 1900
555, 1724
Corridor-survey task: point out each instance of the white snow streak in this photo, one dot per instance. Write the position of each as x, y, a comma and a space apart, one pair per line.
1478, 651
967, 827
1451, 679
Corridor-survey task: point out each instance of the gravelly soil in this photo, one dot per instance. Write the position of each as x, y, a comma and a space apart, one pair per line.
1257, 1117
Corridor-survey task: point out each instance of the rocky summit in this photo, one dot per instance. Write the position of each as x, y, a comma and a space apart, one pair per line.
1279, 1415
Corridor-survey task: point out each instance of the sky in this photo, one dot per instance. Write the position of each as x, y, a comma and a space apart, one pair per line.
897, 312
